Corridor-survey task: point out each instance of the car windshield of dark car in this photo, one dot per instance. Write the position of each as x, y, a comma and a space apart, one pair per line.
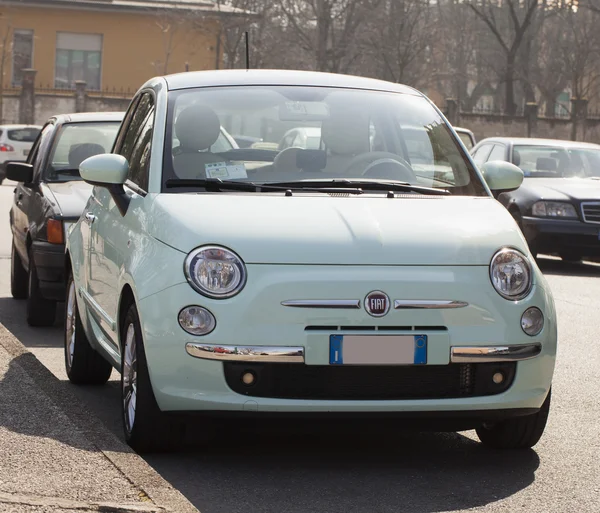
557, 162
348, 134
74, 143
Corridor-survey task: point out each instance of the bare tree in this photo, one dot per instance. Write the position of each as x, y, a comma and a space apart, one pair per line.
509, 34
169, 22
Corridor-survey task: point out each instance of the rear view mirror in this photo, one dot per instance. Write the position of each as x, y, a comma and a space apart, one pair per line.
502, 176
108, 170
19, 172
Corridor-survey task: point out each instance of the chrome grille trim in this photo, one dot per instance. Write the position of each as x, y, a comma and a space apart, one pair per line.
590, 212
322, 303
406, 304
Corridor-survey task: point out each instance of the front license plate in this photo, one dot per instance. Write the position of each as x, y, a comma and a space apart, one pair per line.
378, 349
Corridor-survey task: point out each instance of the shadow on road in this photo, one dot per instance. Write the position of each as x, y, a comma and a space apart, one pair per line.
558, 267
346, 471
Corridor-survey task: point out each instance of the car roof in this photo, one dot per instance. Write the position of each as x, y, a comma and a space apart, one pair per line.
540, 142
82, 117
237, 77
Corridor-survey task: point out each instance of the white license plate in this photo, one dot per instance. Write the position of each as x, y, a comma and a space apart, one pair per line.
378, 349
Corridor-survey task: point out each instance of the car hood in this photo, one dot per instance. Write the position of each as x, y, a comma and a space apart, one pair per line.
68, 198
335, 230
564, 189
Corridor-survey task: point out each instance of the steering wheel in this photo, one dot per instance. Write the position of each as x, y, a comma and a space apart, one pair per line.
371, 156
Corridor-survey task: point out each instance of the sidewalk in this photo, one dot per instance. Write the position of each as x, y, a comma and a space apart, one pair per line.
54, 457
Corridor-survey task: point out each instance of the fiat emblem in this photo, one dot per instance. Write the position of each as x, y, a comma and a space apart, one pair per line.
377, 303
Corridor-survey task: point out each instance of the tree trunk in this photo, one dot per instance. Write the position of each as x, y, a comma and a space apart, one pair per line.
510, 108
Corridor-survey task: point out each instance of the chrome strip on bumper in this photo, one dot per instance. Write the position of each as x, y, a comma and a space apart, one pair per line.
322, 303
494, 353
401, 304
287, 354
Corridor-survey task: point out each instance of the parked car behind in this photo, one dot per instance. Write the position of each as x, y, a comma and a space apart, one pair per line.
336, 282
558, 205
49, 197
15, 143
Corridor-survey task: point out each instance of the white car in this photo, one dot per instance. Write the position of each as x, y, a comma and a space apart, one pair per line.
15, 143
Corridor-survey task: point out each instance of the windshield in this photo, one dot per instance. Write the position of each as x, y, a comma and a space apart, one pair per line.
27, 135
75, 143
557, 162
466, 139
345, 134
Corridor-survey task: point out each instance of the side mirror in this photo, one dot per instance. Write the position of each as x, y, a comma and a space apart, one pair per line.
108, 170
19, 172
105, 169
502, 176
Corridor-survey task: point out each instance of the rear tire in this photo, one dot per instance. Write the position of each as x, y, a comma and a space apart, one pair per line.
147, 428
40, 311
517, 433
18, 275
84, 365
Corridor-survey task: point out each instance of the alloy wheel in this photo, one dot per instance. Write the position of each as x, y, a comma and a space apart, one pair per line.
129, 379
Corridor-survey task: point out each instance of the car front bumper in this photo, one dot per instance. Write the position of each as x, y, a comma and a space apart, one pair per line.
299, 339
49, 261
557, 235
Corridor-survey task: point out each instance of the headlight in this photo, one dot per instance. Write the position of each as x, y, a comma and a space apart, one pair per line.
510, 273
553, 209
215, 272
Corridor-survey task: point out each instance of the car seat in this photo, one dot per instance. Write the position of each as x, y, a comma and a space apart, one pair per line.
197, 128
81, 151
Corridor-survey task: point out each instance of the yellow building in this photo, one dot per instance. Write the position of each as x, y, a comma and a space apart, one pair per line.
109, 44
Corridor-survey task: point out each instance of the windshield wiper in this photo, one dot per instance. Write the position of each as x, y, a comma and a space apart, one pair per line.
367, 185
218, 185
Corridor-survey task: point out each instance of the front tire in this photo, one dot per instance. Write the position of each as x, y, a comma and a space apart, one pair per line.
40, 311
18, 275
517, 433
84, 365
147, 429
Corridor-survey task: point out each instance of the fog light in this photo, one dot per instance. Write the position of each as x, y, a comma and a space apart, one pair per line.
498, 378
532, 321
248, 378
197, 320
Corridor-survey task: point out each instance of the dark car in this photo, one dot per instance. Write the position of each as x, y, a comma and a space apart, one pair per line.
558, 204
49, 197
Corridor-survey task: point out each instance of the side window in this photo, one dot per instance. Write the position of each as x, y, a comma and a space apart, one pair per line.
39, 149
480, 156
134, 145
140, 156
498, 153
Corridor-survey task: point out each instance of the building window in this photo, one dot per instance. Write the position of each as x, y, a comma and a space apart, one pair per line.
22, 54
78, 57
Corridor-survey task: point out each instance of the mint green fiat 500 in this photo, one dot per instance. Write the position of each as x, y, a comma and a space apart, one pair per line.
372, 274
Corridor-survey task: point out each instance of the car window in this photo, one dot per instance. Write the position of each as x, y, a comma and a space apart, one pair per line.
498, 153
139, 161
36, 157
466, 139
481, 154
76, 142
352, 123
556, 162
135, 126
26, 135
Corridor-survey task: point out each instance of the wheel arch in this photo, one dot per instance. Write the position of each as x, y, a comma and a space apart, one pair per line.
126, 298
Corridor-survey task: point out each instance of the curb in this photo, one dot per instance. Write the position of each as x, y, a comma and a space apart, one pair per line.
153, 488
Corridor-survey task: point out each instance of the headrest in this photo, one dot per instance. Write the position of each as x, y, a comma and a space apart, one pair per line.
197, 128
516, 158
81, 151
545, 164
346, 131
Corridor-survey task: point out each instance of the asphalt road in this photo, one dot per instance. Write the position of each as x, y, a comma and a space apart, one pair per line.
331, 470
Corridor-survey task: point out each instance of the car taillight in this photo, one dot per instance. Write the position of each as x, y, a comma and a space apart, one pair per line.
54, 230
6, 147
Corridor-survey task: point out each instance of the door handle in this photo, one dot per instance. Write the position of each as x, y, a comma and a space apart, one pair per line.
89, 217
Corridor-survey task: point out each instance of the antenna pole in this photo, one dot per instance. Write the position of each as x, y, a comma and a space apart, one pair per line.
247, 52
